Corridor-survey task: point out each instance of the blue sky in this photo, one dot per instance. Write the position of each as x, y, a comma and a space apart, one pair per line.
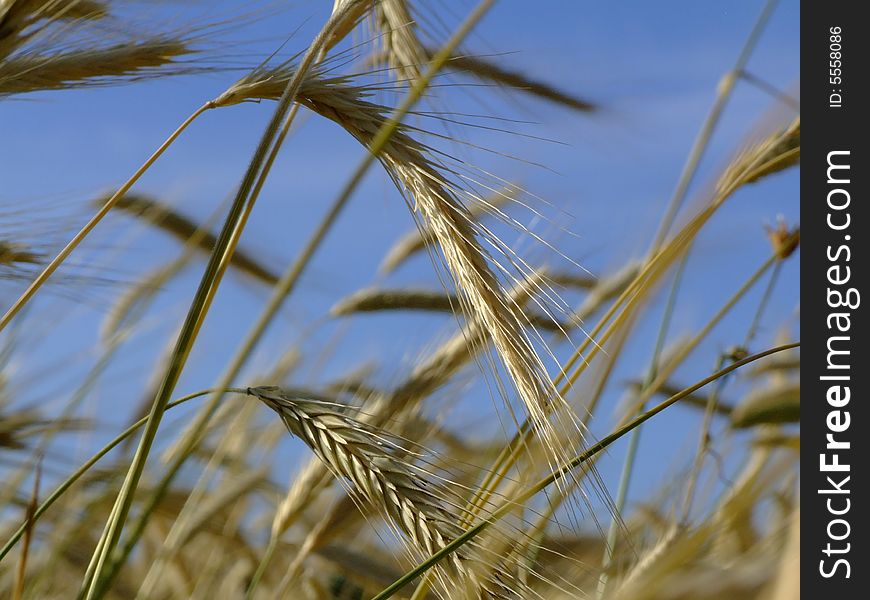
652, 67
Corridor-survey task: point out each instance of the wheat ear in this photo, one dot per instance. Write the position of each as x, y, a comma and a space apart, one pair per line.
438, 202
419, 239
32, 72
13, 253
371, 461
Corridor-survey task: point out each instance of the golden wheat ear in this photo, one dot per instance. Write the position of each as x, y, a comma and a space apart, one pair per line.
34, 72
379, 469
370, 460
440, 206
419, 239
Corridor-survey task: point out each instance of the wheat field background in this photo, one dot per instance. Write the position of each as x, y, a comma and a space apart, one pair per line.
399, 299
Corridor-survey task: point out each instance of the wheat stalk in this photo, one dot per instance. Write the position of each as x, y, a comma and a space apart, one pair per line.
13, 253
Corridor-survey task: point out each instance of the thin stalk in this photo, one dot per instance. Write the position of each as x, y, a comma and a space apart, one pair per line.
771, 90
509, 505
51, 267
218, 262
699, 148
265, 560
703, 444
21, 574
762, 305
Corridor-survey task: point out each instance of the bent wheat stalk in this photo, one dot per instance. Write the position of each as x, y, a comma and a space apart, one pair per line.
53, 265
415, 172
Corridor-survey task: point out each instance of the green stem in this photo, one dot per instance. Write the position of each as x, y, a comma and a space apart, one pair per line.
94, 586
262, 566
